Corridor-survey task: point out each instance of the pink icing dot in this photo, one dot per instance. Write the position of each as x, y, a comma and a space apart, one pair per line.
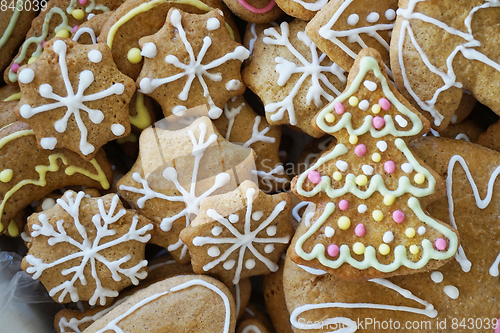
360, 230
333, 250
82, 2
255, 10
440, 244
314, 177
339, 108
497, 328
360, 150
43, 44
14, 67
344, 204
389, 167
75, 28
378, 122
384, 104
398, 216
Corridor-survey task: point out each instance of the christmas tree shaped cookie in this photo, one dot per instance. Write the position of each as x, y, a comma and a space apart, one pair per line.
370, 191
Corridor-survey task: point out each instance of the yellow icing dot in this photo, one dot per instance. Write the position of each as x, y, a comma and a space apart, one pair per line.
376, 157
376, 108
389, 199
63, 33
78, 14
330, 117
384, 249
361, 180
378, 215
32, 60
134, 55
353, 101
419, 178
353, 139
12, 229
414, 249
358, 248
6, 175
410, 232
344, 222
337, 176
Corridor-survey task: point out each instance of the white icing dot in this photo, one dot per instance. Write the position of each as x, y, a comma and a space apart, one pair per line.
271, 231
401, 121
329, 231
95, 56
437, 277
390, 14
362, 209
353, 19
216, 231
149, 50
233, 85
370, 85
372, 17
257, 215
406, 167
48, 143
367, 170
250, 263
454, 119
178, 110
91, 15
388, 237
213, 24
421, 230
451, 291
228, 264
364, 105
269, 248
213, 251
342, 165
117, 129
233, 218
382, 146
26, 76
48, 203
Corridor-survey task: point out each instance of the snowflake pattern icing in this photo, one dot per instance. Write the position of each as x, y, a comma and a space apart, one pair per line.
189, 197
195, 69
88, 249
72, 101
314, 69
242, 240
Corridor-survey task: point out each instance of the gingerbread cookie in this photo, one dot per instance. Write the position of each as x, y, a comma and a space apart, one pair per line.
255, 11
370, 190
9, 98
467, 130
189, 303
251, 326
231, 223
89, 31
436, 77
292, 78
96, 239
490, 138
73, 88
29, 173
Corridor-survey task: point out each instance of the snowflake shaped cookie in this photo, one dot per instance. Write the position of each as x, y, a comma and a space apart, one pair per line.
87, 248
192, 61
74, 97
239, 234
298, 82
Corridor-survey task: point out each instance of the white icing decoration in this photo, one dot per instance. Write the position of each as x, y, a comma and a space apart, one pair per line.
437, 277
91, 15
213, 24
26, 76
231, 115
268, 177
451, 291
179, 110
421, 230
229, 264
213, 251
188, 196
353, 19
364, 105
406, 167
149, 50
362, 209
390, 14
85, 30
329, 231
341, 165
286, 68
372, 17
401, 121
252, 328
117, 129
113, 324
194, 68
48, 203
271, 231
216, 231
259, 136
73, 102
250, 264
253, 39
48, 143
370, 85
269, 248
382, 146
243, 240
95, 56
312, 6
462, 136
367, 170
88, 250
233, 84
388, 237
299, 206
313, 271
